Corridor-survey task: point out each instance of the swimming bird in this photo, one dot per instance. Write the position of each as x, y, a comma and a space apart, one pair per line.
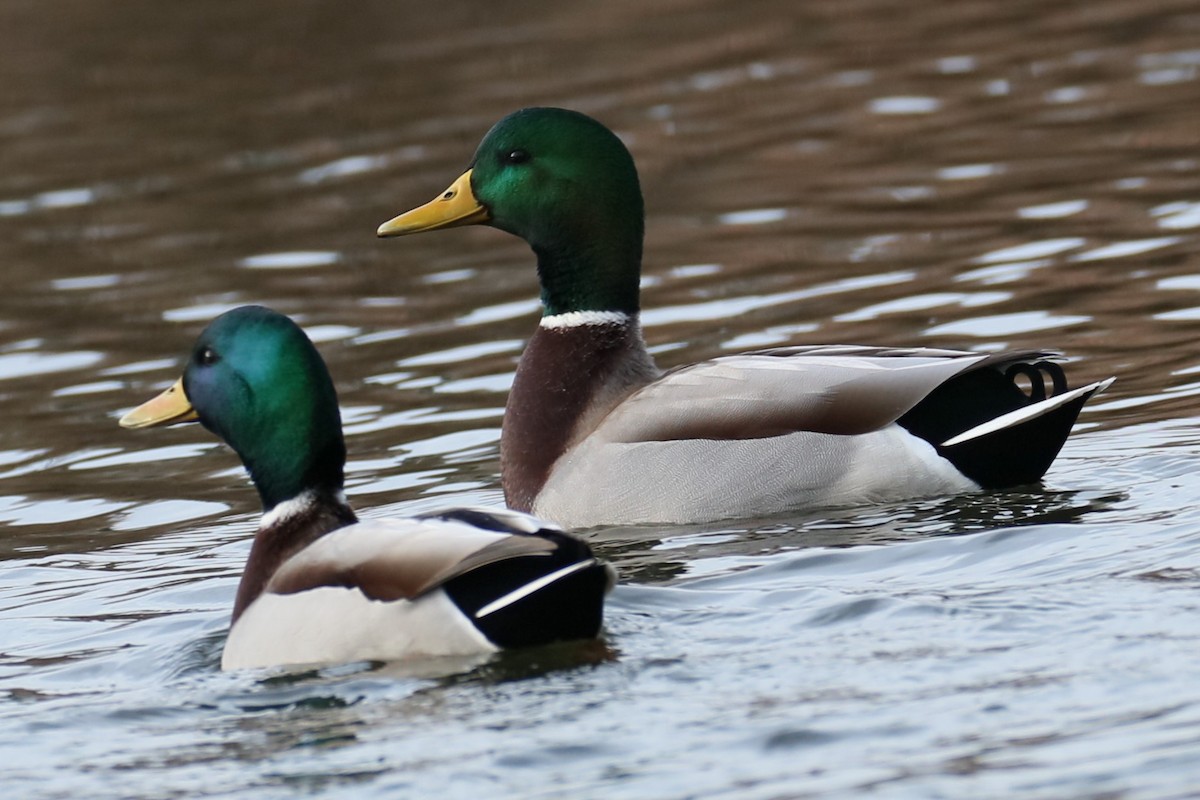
322, 586
594, 433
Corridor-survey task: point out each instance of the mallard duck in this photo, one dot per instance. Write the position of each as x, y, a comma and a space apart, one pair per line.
321, 586
594, 433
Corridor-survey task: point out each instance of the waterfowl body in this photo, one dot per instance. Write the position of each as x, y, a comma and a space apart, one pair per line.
595, 434
320, 586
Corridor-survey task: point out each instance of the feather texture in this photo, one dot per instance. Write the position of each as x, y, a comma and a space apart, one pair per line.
758, 395
322, 587
398, 588
594, 434
399, 559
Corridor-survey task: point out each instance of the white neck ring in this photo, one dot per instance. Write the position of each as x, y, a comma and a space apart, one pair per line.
576, 319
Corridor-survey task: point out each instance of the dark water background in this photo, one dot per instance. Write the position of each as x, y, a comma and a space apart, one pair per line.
968, 174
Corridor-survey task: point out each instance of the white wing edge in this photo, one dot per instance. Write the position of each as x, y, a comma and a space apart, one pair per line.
1027, 413
531, 587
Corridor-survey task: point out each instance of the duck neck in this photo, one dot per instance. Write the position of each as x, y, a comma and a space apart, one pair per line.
282, 472
286, 529
590, 271
575, 369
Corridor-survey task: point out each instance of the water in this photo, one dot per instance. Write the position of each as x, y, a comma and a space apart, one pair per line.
971, 174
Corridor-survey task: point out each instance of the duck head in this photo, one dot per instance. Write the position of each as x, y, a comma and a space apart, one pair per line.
566, 185
256, 381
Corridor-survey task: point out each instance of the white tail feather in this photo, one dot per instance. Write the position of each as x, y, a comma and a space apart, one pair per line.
1026, 413
531, 587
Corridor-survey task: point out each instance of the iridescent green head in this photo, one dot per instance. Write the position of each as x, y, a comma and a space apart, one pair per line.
256, 381
566, 185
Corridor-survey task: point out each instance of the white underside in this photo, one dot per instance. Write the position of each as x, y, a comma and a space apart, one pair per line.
336, 625
700, 480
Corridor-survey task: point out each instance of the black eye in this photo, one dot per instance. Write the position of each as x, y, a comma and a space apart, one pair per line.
208, 357
517, 157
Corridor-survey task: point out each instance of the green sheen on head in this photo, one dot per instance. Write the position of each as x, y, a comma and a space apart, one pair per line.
566, 185
256, 381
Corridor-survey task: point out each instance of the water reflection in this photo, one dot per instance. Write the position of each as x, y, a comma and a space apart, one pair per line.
650, 556
969, 174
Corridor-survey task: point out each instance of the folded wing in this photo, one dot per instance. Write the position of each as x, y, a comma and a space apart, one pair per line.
404, 559
832, 389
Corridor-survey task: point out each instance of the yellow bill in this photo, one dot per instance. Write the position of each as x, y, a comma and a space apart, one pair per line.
166, 409
453, 207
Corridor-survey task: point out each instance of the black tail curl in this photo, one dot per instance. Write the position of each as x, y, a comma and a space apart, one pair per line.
1011, 456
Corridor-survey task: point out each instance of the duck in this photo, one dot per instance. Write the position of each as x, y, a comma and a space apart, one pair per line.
322, 586
594, 433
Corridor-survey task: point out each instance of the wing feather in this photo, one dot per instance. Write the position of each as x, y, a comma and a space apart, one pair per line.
831, 389
400, 559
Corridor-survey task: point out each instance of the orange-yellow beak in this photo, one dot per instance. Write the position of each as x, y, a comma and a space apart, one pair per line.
168, 408
454, 207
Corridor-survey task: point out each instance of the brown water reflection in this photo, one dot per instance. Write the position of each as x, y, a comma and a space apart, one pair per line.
977, 175
967, 174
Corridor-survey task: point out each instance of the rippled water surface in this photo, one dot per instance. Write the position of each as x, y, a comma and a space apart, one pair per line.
969, 174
